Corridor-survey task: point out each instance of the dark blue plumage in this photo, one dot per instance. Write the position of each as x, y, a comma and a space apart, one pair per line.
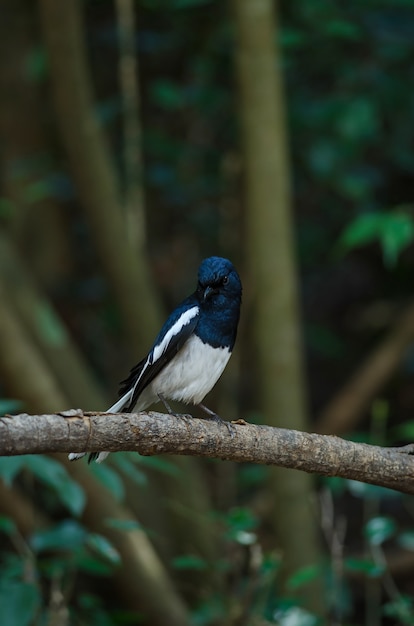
220, 310
192, 348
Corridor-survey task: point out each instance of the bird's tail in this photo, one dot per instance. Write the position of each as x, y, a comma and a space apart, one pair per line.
115, 408
122, 403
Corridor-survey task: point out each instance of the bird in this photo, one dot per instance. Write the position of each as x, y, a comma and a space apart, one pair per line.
191, 350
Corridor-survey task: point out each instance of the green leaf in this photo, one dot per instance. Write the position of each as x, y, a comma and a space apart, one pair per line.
55, 476
94, 612
394, 231
343, 30
357, 119
66, 536
303, 576
379, 529
189, 562
130, 469
10, 466
366, 566
18, 603
10, 406
93, 565
13, 567
396, 234
7, 525
404, 431
271, 564
291, 38
402, 609
362, 230
167, 94
103, 547
335, 484
108, 477
36, 64
210, 611
241, 518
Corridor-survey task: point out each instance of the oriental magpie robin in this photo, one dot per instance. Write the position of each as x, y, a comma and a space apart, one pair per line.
191, 350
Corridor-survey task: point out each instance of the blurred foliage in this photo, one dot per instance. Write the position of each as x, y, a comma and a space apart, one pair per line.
394, 231
49, 472
50, 557
349, 71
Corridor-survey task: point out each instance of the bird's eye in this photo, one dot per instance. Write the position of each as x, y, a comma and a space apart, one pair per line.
225, 280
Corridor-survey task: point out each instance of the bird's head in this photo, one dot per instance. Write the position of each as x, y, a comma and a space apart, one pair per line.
218, 281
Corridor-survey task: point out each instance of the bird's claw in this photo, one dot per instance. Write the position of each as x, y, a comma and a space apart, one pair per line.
184, 417
216, 418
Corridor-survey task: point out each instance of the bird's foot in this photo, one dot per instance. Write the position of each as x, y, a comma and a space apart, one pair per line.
216, 418
184, 416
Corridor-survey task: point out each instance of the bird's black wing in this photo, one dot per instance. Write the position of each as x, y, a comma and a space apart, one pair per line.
175, 332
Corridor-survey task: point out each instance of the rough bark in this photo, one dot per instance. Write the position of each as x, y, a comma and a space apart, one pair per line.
272, 268
159, 433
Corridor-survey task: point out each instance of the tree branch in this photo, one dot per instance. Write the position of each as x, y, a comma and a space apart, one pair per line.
159, 433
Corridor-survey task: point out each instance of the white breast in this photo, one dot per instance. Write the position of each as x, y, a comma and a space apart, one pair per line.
192, 373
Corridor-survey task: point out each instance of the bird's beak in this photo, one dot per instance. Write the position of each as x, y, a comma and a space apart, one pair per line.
207, 293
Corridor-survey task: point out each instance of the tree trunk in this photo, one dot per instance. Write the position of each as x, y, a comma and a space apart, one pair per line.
271, 265
94, 171
36, 220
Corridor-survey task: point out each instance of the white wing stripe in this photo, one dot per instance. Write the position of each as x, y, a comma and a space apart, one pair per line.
182, 321
158, 351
